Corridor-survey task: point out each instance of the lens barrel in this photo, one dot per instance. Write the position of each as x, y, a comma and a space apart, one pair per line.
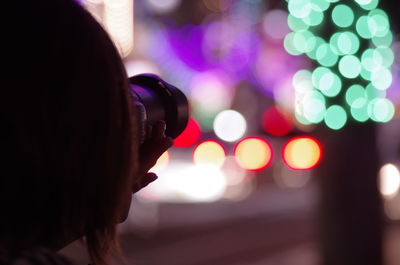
157, 100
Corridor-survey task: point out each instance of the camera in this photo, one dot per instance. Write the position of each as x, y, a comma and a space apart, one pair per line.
154, 100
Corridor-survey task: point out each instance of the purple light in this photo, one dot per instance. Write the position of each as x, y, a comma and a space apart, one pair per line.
186, 43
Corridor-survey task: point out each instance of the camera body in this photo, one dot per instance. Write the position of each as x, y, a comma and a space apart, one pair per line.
154, 100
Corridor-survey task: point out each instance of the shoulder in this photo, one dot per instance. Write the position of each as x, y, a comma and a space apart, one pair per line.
36, 256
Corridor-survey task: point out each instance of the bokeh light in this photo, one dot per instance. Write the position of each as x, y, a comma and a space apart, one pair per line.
302, 153
312, 107
364, 27
190, 135
299, 8
253, 153
368, 4
275, 121
338, 57
118, 20
329, 84
345, 42
136, 67
274, 24
210, 93
296, 24
350, 66
359, 109
185, 182
163, 6
230, 125
381, 78
355, 92
326, 55
381, 110
389, 180
342, 16
209, 153
314, 18
335, 117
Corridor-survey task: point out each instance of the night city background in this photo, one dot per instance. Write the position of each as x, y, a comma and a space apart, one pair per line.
292, 152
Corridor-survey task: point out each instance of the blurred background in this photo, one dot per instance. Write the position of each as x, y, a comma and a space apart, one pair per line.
291, 154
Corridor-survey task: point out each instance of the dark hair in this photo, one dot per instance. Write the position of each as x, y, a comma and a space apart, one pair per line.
68, 146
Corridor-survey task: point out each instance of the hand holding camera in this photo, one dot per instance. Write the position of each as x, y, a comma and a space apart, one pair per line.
163, 114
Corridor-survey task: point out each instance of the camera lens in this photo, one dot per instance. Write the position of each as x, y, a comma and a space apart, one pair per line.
157, 100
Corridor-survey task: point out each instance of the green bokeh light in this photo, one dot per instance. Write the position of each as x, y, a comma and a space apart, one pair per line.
381, 110
312, 54
317, 75
330, 84
310, 43
313, 105
335, 117
301, 81
373, 64
348, 43
363, 28
370, 60
359, 110
300, 41
355, 92
381, 78
378, 23
334, 42
368, 4
304, 41
299, 8
314, 18
383, 41
385, 55
350, 66
372, 92
365, 74
319, 5
345, 42
288, 43
326, 55
296, 24
342, 16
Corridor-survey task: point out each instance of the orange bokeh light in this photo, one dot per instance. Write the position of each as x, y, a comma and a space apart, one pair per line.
210, 153
302, 153
253, 153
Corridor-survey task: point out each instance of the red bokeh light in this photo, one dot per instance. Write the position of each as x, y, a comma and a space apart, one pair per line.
190, 135
275, 121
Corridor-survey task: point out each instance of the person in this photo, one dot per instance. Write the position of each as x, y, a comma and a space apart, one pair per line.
70, 156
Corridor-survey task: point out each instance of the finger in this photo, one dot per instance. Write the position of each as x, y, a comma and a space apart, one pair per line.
151, 155
149, 178
145, 181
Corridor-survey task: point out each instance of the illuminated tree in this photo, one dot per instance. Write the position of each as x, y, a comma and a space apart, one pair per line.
353, 63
